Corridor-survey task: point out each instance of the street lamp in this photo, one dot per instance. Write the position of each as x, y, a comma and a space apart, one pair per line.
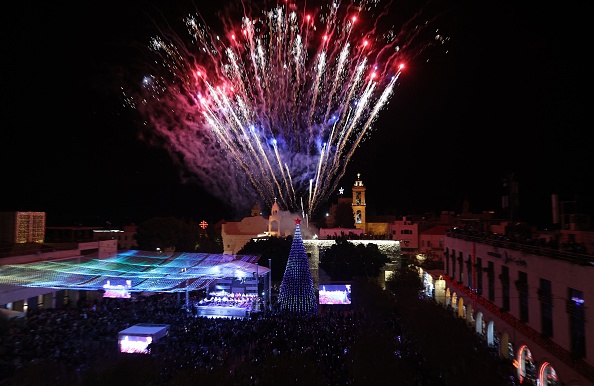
187, 294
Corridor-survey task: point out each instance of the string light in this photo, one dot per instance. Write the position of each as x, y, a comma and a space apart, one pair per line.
297, 293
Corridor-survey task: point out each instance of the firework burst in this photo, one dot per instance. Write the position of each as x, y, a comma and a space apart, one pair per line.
274, 107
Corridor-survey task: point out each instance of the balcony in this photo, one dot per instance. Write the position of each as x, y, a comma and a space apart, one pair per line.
528, 247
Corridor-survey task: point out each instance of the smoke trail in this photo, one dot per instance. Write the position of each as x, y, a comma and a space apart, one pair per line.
274, 107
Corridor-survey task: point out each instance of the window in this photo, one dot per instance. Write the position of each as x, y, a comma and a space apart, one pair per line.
453, 264
461, 266
545, 297
505, 287
522, 287
469, 271
577, 331
479, 276
491, 280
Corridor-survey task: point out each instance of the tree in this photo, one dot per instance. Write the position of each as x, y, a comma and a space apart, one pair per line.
321, 221
297, 292
343, 216
335, 261
209, 241
274, 248
405, 283
167, 233
344, 260
373, 259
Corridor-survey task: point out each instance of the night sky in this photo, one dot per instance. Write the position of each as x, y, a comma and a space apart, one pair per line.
508, 97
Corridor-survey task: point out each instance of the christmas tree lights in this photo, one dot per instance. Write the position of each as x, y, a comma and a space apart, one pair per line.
297, 292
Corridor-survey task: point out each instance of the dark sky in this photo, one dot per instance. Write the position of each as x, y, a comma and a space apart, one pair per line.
508, 97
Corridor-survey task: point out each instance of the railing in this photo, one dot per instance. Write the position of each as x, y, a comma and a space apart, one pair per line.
559, 352
494, 240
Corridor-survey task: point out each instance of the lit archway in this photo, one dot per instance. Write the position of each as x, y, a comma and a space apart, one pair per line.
455, 303
548, 375
491, 334
440, 291
460, 312
526, 366
470, 315
478, 326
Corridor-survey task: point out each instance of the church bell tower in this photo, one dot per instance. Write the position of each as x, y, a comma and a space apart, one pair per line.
274, 220
358, 204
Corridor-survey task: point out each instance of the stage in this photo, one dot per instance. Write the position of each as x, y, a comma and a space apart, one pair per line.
222, 304
222, 312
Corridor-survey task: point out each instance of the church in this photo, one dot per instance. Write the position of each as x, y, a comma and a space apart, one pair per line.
366, 226
281, 223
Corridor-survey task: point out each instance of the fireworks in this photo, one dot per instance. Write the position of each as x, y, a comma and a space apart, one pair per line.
274, 107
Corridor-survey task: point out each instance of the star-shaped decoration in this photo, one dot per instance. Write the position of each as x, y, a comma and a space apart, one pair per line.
341, 190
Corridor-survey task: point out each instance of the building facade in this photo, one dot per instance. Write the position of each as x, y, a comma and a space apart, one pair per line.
432, 242
279, 223
22, 227
407, 232
125, 236
528, 299
19, 299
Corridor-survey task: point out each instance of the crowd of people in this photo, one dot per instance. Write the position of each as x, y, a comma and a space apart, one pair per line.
336, 346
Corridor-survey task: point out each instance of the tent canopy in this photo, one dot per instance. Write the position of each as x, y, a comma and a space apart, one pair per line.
136, 271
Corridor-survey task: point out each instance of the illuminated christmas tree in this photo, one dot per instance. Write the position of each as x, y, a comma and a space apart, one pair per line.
297, 292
